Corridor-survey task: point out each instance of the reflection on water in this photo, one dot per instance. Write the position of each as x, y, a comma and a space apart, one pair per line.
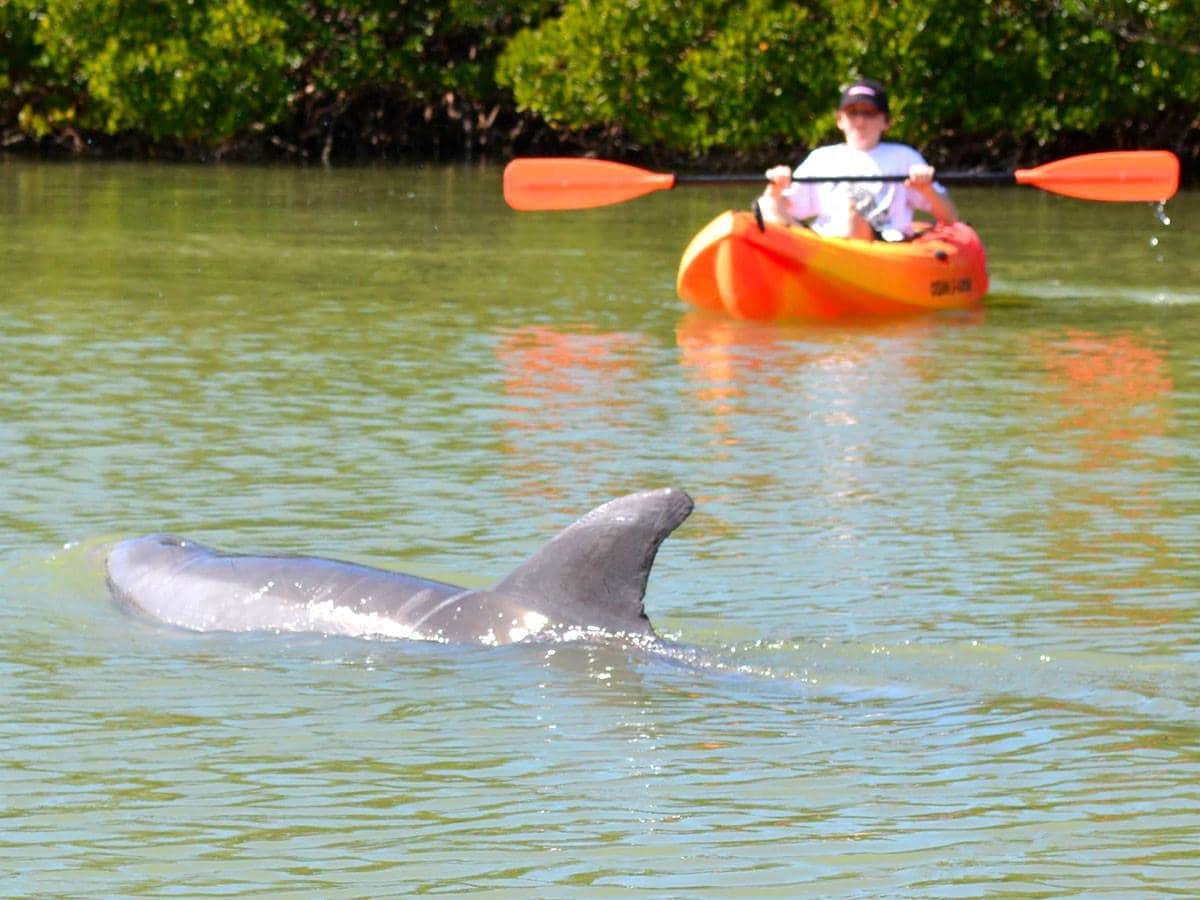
1113, 398
1113, 389
726, 355
818, 387
567, 393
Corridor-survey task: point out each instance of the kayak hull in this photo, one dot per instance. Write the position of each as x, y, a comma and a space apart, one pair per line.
736, 267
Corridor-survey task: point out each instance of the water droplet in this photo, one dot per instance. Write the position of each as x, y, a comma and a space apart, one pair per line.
1160, 212
1153, 242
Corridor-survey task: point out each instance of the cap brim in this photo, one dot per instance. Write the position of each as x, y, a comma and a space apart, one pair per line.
859, 101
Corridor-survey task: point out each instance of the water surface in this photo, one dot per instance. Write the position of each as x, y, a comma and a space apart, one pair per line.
937, 605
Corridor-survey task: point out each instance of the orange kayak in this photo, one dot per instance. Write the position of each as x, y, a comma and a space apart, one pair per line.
779, 271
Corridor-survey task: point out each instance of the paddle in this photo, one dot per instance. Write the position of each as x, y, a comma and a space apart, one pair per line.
537, 183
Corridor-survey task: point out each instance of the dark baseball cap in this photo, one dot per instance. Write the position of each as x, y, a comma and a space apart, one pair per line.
865, 91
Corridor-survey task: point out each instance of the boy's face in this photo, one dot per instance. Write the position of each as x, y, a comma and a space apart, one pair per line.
862, 124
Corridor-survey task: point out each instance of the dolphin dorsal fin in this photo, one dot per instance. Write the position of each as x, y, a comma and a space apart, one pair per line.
594, 572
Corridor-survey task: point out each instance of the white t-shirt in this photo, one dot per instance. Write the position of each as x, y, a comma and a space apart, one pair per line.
891, 203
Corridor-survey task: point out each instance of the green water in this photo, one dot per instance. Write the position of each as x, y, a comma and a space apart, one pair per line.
938, 602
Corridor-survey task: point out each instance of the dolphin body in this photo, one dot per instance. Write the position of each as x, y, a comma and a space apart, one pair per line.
589, 580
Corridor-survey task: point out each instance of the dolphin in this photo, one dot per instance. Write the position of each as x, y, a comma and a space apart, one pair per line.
588, 581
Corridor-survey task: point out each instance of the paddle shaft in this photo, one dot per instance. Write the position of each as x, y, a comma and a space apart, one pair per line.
943, 177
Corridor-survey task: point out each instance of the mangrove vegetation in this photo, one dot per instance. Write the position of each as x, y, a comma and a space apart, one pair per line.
681, 81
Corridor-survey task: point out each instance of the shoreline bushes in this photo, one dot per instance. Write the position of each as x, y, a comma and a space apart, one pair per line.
681, 81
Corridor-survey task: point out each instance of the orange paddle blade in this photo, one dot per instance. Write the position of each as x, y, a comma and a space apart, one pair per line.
1149, 175
552, 183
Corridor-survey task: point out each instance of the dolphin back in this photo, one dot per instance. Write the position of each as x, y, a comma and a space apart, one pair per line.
589, 578
593, 573
192, 586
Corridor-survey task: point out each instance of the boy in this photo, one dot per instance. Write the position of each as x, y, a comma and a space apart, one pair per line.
857, 209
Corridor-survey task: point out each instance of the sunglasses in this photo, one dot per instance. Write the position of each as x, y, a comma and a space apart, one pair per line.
866, 112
